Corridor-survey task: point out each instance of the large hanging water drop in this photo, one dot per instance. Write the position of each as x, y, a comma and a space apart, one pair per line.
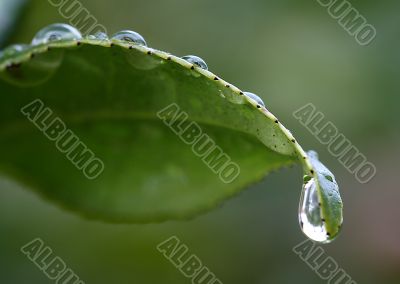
56, 32
196, 61
320, 207
130, 36
255, 98
310, 218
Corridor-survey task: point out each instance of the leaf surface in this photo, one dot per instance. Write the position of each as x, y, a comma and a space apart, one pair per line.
110, 95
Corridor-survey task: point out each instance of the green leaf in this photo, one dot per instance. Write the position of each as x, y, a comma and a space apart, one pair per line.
110, 96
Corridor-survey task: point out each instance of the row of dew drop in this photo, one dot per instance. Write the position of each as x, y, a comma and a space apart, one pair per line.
47, 65
64, 32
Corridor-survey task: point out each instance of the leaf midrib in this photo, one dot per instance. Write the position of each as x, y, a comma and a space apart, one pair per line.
22, 124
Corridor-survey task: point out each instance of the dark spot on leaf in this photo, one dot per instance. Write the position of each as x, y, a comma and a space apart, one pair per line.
13, 66
216, 78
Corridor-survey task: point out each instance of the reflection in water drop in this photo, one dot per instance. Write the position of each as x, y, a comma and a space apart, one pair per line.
130, 36
306, 178
56, 32
99, 36
196, 61
310, 218
255, 98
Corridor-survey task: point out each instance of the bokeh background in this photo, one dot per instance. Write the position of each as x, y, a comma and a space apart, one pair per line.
290, 53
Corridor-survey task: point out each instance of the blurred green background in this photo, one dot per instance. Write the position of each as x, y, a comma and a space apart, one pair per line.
289, 53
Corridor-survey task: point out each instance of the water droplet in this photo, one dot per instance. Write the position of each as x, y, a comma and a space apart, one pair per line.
56, 32
196, 60
255, 98
321, 207
99, 36
13, 49
130, 36
310, 218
